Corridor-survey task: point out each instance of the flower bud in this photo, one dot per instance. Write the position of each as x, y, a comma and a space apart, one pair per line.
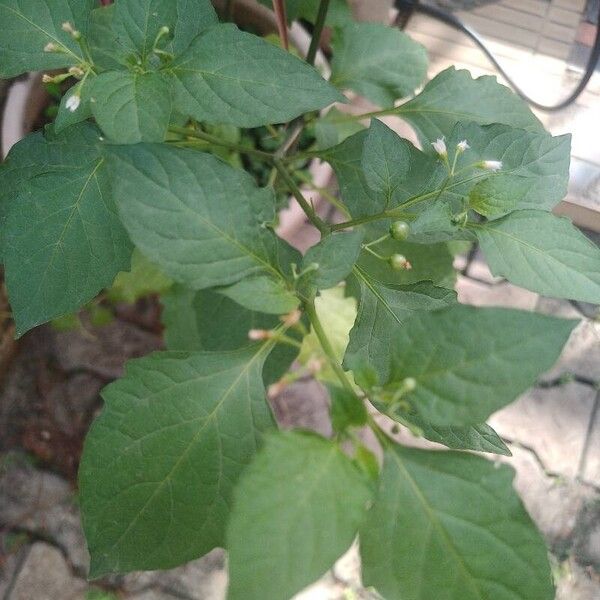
440, 147
257, 335
76, 72
462, 146
400, 230
292, 318
73, 102
409, 384
47, 78
68, 28
491, 165
50, 47
398, 262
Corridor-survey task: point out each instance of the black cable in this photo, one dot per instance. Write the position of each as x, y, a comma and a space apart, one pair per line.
407, 7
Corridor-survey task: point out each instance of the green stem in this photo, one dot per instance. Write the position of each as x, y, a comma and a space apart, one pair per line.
388, 214
317, 32
302, 201
207, 137
311, 313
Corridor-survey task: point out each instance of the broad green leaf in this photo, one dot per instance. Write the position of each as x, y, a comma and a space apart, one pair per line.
334, 127
206, 320
386, 159
431, 262
296, 510
534, 173
425, 173
453, 96
382, 310
378, 62
107, 49
63, 239
132, 107
141, 280
347, 410
65, 117
332, 259
338, 15
543, 253
470, 362
480, 438
449, 526
160, 463
228, 76
193, 17
137, 22
29, 25
338, 313
263, 294
198, 219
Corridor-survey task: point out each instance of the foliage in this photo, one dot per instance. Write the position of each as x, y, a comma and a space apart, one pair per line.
140, 187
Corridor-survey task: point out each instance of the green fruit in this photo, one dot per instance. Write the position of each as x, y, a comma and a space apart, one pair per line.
400, 230
398, 262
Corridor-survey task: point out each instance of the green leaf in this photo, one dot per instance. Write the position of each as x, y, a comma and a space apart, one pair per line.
480, 438
543, 253
378, 62
534, 173
453, 96
335, 256
198, 219
206, 320
29, 25
160, 463
143, 279
228, 76
107, 50
347, 410
334, 127
296, 510
449, 526
263, 294
470, 362
426, 173
339, 313
138, 22
132, 107
385, 160
65, 117
63, 239
193, 17
382, 310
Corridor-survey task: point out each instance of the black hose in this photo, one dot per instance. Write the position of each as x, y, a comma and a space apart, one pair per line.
406, 7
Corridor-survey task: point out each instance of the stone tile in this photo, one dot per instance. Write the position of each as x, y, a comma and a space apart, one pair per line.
553, 422
586, 546
557, 308
501, 294
581, 355
553, 503
590, 468
478, 269
42, 503
578, 585
45, 575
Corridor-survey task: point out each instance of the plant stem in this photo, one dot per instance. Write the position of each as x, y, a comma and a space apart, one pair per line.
207, 137
387, 214
311, 313
317, 32
302, 201
281, 17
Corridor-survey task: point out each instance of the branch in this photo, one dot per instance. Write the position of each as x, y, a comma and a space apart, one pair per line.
281, 16
315, 43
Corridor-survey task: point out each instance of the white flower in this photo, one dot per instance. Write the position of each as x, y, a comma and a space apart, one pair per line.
492, 165
47, 78
462, 146
50, 47
259, 334
73, 102
68, 28
440, 147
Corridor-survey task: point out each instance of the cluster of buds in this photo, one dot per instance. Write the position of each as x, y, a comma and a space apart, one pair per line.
68, 28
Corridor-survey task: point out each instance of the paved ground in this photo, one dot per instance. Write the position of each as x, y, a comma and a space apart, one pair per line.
553, 432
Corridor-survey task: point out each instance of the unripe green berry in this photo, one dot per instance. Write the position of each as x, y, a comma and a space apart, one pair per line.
400, 230
398, 262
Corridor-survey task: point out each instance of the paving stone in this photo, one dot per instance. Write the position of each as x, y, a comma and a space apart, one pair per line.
12, 555
586, 545
553, 503
500, 294
45, 575
304, 404
557, 308
478, 269
590, 468
42, 503
553, 422
578, 585
581, 355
